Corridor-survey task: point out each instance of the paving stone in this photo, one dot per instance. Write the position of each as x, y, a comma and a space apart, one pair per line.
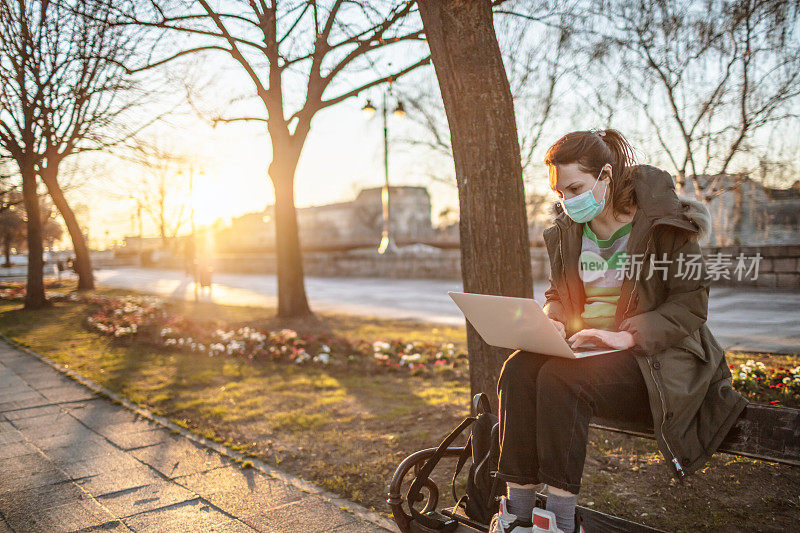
241, 492
58, 417
100, 413
139, 439
82, 450
9, 437
27, 502
15, 449
97, 465
7, 427
313, 513
18, 393
72, 516
27, 472
177, 458
44, 378
23, 401
52, 382
187, 517
33, 371
46, 426
124, 427
363, 527
13, 389
83, 435
118, 480
13, 385
137, 500
33, 412
68, 393
115, 526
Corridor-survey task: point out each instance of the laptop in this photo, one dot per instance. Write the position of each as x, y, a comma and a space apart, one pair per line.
518, 324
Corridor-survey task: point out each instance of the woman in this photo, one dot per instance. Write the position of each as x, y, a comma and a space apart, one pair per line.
626, 272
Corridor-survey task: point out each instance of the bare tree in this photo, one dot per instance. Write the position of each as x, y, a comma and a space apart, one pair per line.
707, 76
62, 80
301, 58
12, 213
160, 191
495, 250
535, 40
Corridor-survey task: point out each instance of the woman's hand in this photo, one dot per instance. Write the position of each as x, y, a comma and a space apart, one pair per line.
560, 327
619, 340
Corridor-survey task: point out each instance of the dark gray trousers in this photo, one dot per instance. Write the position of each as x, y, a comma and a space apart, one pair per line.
546, 404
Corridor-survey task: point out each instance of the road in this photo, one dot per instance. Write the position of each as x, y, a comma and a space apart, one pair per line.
758, 320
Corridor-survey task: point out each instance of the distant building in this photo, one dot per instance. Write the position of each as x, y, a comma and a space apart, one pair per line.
136, 243
748, 213
358, 222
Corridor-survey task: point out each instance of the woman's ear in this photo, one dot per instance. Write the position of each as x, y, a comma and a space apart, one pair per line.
608, 169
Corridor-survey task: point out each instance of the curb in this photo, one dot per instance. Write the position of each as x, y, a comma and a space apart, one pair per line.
353, 508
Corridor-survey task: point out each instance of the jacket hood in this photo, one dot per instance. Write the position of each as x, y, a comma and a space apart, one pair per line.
658, 201
697, 212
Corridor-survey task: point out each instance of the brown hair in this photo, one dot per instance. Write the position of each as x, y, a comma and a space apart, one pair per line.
592, 150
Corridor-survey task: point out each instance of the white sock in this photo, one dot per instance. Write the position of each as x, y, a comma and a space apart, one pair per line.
564, 509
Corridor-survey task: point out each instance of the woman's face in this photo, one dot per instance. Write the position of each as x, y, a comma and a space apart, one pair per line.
572, 181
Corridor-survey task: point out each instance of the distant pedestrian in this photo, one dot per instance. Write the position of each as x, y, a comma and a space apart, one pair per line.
189, 265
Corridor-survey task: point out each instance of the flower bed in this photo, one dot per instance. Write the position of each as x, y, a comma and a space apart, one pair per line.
776, 386
132, 316
16, 290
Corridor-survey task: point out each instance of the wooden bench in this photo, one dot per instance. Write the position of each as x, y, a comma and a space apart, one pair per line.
763, 432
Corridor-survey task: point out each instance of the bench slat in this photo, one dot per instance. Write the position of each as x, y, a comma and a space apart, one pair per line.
764, 432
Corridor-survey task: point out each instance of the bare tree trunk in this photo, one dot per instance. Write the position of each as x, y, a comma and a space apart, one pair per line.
83, 262
495, 249
34, 290
7, 248
292, 300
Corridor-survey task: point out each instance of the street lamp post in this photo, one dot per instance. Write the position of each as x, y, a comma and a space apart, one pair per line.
140, 247
193, 236
387, 244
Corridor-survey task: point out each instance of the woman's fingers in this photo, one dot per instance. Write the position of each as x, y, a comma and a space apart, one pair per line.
577, 339
584, 336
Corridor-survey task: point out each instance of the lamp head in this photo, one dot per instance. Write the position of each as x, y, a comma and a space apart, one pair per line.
368, 109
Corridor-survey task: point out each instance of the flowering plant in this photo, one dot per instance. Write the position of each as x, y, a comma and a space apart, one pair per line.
122, 317
129, 316
417, 356
777, 386
15, 290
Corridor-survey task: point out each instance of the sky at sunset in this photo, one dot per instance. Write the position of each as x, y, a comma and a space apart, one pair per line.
343, 154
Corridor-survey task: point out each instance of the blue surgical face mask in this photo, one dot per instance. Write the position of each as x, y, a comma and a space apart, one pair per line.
584, 207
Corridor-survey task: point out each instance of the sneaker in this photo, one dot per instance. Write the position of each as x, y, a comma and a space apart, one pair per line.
505, 522
545, 522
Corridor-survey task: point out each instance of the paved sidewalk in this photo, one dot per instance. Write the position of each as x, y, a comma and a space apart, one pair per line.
71, 460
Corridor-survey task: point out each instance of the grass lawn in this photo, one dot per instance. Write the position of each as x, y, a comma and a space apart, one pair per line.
347, 429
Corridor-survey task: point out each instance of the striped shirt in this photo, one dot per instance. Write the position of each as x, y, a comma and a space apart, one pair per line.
601, 266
